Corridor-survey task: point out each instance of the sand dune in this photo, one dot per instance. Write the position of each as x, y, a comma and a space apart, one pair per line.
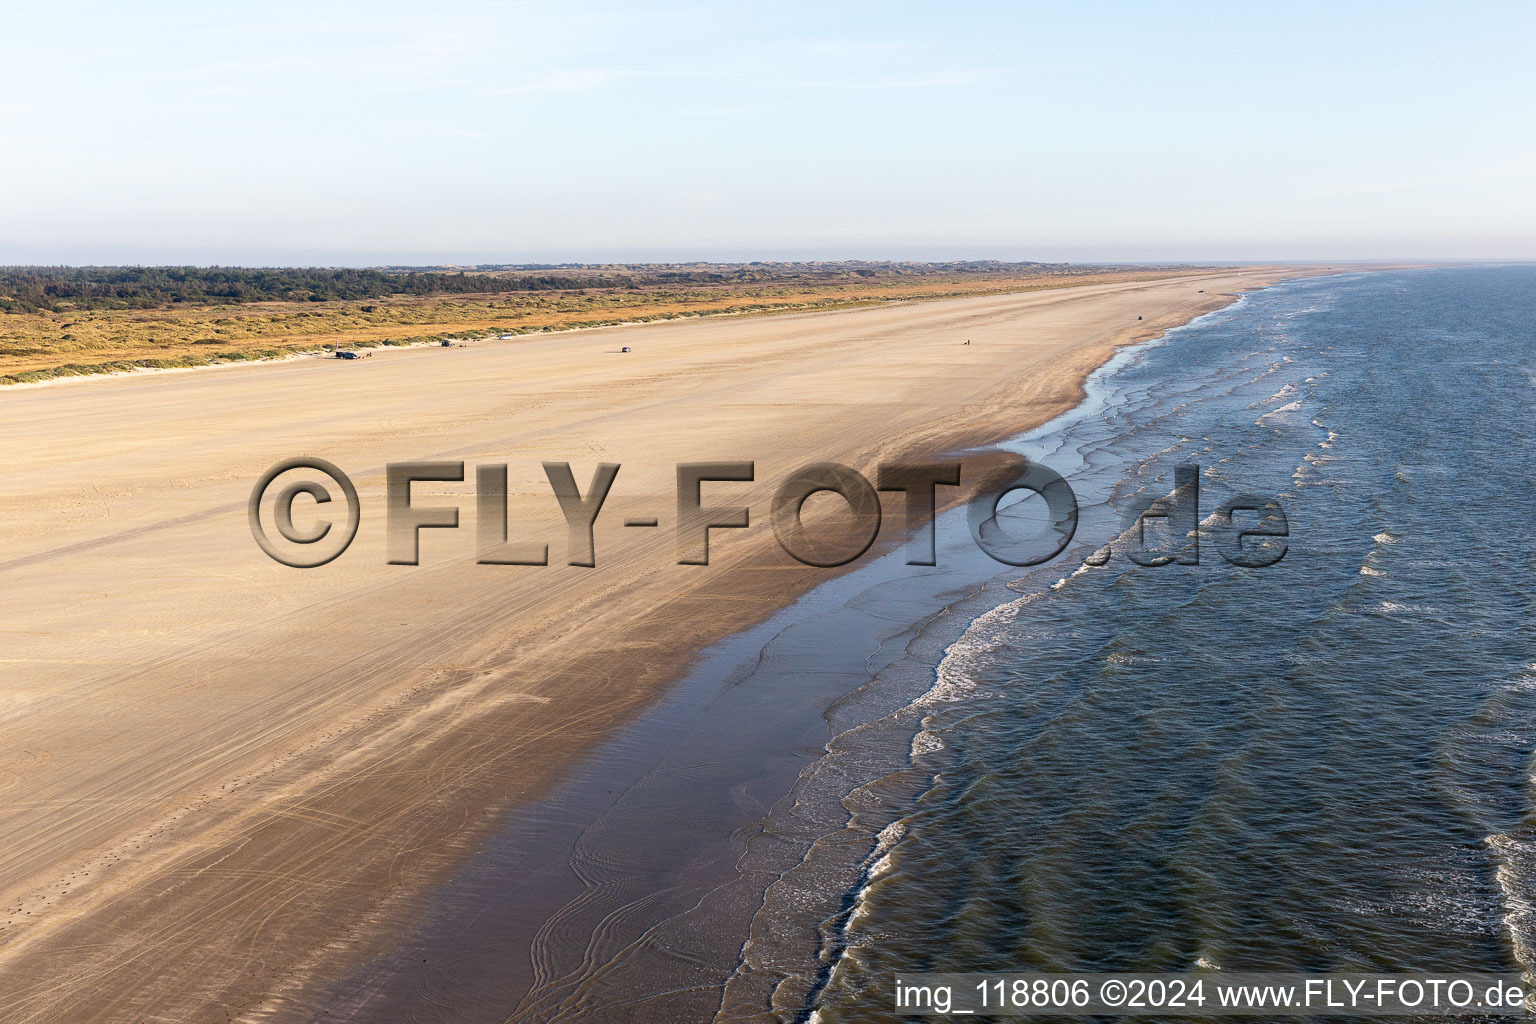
226, 777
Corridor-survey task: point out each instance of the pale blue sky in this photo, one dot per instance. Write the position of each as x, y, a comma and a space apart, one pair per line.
471, 131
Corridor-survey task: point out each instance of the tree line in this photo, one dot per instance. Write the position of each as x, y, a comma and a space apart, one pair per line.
54, 289
33, 289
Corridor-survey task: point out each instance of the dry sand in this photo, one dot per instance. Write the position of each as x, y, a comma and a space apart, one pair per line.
225, 777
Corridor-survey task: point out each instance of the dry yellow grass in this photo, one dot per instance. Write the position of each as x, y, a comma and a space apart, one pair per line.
40, 346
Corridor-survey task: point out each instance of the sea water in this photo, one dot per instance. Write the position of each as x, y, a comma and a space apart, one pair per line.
1322, 765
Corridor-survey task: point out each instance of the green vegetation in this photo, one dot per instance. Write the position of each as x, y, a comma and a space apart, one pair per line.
55, 289
61, 289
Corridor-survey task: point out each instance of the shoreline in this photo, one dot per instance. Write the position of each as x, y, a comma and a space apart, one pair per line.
702, 848
426, 713
353, 990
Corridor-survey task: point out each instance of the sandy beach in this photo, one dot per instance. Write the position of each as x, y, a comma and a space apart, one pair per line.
227, 778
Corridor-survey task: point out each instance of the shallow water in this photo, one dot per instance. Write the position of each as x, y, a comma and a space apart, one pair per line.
1322, 764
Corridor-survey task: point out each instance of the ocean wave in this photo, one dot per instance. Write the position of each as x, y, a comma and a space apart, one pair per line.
1392, 608
951, 681
1102, 554
926, 742
877, 865
1278, 417
1288, 392
1515, 861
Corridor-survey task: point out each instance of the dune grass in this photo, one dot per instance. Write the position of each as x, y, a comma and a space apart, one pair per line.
65, 343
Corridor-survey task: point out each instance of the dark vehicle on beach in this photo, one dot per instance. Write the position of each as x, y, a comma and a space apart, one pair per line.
346, 355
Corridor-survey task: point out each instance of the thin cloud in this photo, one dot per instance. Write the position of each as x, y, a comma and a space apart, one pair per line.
560, 81
944, 79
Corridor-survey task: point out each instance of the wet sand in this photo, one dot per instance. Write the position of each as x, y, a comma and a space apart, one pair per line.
652, 882
230, 781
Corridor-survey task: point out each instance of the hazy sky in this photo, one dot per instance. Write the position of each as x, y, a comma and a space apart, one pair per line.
478, 131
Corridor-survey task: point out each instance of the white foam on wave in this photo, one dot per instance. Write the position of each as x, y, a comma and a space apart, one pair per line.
951, 681
1289, 391
1366, 570
1385, 538
1514, 859
926, 742
1279, 415
1394, 608
1515, 871
880, 864
1086, 567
